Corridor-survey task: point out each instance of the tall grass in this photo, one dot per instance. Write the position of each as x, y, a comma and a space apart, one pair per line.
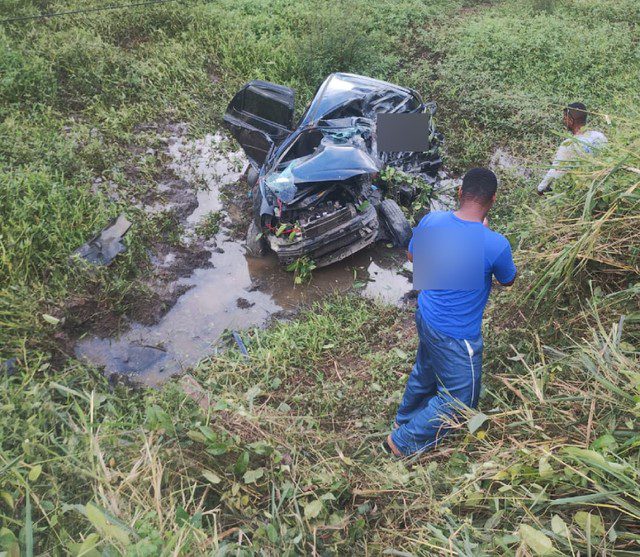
586, 233
279, 454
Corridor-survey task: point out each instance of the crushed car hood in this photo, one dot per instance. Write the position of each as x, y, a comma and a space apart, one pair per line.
334, 161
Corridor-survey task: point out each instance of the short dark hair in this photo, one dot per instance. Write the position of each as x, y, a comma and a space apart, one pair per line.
479, 184
578, 112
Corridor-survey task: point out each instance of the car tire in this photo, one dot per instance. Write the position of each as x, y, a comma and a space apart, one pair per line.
395, 222
252, 176
256, 198
256, 244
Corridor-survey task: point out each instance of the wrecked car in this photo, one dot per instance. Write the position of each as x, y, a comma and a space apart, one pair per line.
315, 185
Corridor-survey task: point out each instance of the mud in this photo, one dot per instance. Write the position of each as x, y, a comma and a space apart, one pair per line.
503, 161
237, 293
209, 286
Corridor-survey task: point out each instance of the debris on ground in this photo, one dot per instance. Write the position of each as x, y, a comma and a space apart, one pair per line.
104, 247
240, 343
8, 367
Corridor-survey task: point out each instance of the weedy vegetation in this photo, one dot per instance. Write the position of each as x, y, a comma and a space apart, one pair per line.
302, 269
277, 453
209, 225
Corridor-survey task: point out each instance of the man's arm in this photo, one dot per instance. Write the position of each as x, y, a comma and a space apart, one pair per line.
510, 282
504, 269
564, 153
422, 222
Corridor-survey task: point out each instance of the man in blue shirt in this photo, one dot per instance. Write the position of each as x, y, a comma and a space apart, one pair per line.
455, 256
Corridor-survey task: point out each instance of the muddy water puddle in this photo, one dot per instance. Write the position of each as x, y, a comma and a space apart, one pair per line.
235, 291
239, 292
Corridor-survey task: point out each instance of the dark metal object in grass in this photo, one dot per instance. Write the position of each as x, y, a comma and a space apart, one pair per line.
240, 343
8, 367
103, 248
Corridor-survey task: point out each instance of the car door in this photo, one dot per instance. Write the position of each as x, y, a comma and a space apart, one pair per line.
260, 116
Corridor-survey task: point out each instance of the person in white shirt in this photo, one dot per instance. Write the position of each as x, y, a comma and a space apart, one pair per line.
584, 142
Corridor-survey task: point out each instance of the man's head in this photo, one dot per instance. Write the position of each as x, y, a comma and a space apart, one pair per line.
479, 186
575, 117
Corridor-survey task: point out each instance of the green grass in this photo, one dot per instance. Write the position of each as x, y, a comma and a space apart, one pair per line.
209, 225
503, 74
285, 459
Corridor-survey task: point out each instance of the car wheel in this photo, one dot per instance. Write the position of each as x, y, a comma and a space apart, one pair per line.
256, 197
256, 243
395, 222
252, 176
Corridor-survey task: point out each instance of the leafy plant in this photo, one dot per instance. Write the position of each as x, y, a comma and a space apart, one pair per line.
362, 207
288, 230
302, 269
210, 224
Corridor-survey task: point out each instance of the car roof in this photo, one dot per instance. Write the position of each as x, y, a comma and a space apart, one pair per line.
340, 88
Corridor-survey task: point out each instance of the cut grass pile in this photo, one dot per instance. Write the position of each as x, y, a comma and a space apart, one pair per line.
586, 234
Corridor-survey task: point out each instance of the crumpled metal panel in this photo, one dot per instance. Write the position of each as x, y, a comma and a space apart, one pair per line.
103, 248
335, 161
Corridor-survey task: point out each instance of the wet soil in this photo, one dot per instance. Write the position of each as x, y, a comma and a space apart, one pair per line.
237, 293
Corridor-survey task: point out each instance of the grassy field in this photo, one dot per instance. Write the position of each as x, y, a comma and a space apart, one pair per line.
281, 455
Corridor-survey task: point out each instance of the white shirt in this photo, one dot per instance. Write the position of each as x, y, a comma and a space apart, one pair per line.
572, 149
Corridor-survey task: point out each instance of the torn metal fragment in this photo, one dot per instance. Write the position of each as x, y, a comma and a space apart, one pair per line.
103, 248
240, 343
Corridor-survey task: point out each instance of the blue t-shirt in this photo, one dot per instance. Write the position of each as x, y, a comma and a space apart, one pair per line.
458, 313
